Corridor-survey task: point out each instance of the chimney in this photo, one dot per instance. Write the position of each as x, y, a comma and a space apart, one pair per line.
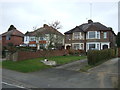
45, 26
90, 21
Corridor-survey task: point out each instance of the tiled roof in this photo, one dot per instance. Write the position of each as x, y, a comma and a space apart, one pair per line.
84, 27
43, 30
14, 32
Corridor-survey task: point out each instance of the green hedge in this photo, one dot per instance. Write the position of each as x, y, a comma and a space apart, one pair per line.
97, 56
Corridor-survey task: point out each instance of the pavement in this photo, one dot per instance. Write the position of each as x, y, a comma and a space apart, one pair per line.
74, 66
102, 76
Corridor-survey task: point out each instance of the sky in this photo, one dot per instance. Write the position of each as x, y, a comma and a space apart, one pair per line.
26, 14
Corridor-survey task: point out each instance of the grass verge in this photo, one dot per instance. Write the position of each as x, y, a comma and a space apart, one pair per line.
32, 65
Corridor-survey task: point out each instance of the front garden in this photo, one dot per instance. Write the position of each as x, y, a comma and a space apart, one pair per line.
32, 65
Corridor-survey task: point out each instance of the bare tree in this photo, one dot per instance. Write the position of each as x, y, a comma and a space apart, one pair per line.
56, 24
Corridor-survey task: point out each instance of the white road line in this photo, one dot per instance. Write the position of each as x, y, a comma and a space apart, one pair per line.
12, 85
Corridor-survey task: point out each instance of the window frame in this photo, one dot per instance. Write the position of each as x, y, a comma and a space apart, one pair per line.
96, 36
97, 46
34, 39
8, 37
81, 46
104, 35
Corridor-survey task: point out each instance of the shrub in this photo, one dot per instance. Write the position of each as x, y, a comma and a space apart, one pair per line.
97, 56
76, 52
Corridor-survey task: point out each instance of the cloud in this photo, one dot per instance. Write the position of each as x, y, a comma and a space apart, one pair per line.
25, 15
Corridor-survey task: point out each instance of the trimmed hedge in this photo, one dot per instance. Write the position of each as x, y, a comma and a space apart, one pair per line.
76, 52
97, 56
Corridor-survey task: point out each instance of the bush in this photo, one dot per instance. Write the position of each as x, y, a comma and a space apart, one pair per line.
76, 52
97, 56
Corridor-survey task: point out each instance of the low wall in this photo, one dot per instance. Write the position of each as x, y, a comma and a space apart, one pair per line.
24, 55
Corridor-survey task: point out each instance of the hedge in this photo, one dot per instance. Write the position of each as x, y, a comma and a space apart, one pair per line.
97, 56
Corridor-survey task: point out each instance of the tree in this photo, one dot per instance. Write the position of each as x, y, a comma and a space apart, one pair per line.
11, 27
118, 39
56, 24
55, 38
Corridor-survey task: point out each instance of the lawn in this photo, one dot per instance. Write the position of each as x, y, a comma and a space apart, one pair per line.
32, 65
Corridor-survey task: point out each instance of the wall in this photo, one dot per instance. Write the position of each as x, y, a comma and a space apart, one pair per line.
16, 40
24, 55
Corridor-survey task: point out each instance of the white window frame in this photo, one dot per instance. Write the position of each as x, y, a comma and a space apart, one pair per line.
81, 36
97, 45
33, 37
32, 45
104, 35
26, 39
78, 36
42, 39
97, 35
79, 46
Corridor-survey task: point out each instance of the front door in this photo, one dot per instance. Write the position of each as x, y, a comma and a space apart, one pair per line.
105, 46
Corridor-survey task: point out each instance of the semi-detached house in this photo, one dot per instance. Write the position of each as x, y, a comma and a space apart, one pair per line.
43, 37
91, 35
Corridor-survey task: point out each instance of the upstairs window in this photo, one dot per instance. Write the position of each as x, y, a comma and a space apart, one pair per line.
93, 35
105, 35
32, 39
41, 38
77, 35
8, 37
67, 37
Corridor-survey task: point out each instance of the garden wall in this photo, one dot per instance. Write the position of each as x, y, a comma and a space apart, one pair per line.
24, 55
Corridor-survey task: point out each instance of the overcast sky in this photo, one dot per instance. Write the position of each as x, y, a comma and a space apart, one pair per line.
25, 15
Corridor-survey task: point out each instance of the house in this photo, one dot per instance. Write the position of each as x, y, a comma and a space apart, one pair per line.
13, 36
91, 35
44, 38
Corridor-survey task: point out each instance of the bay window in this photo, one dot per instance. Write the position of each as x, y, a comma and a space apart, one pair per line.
77, 46
93, 46
93, 35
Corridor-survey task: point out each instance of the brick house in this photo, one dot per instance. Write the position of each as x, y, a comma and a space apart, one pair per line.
43, 37
91, 35
13, 36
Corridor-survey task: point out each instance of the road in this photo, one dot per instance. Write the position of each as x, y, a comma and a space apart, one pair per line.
103, 76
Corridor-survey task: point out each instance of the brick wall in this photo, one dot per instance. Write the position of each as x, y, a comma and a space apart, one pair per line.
16, 40
24, 55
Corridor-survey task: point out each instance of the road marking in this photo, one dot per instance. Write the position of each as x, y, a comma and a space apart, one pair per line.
13, 85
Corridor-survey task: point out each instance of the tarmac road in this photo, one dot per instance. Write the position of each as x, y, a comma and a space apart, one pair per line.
103, 76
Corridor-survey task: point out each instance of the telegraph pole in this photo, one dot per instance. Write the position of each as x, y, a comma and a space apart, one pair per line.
90, 10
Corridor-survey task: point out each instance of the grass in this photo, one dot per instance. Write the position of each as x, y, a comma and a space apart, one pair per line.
86, 68
32, 65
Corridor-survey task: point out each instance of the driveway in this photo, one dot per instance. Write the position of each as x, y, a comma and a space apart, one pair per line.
103, 76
